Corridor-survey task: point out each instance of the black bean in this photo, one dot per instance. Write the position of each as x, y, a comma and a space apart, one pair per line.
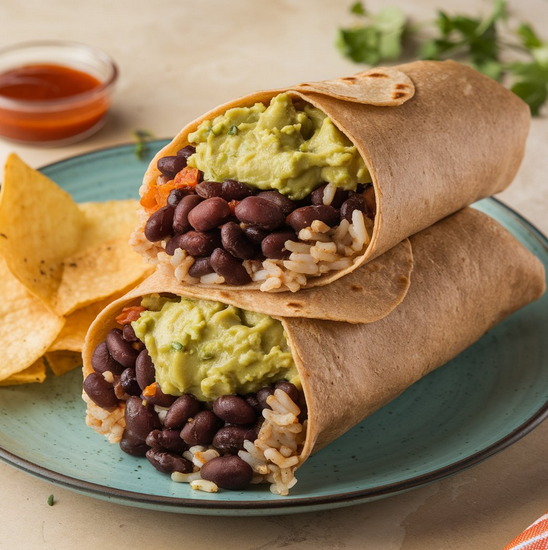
255, 234
209, 189
169, 166
160, 224
304, 216
273, 246
369, 196
201, 429
132, 445
253, 402
180, 217
184, 407
209, 214
227, 266
196, 243
262, 396
100, 391
290, 389
119, 349
176, 195
228, 472
144, 370
102, 361
168, 463
233, 409
129, 383
233, 190
287, 205
261, 212
166, 439
340, 196
235, 241
141, 419
129, 334
304, 411
230, 439
154, 395
355, 202
186, 152
200, 267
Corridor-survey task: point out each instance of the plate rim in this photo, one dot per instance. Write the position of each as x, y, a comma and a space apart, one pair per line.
133, 498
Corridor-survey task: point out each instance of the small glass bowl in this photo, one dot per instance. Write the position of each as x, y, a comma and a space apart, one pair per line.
60, 121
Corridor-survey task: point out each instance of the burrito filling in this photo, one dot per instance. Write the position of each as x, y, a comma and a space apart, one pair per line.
274, 194
209, 393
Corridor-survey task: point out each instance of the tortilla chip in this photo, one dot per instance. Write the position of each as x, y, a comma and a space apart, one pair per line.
99, 272
28, 327
61, 362
381, 86
106, 220
34, 374
72, 337
40, 225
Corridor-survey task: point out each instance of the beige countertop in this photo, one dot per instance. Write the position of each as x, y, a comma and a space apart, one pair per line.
177, 60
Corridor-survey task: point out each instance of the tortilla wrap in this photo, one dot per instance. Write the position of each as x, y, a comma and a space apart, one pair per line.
469, 275
451, 136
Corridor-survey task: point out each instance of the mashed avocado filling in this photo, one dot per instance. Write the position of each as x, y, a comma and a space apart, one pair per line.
293, 148
209, 349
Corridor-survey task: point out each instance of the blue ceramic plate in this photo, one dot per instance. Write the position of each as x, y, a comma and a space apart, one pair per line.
483, 401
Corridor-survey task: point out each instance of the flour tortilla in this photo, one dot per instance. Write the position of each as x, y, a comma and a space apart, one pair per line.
458, 137
469, 275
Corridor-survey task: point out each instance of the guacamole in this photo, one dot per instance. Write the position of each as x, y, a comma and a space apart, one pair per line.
210, 349
288, 147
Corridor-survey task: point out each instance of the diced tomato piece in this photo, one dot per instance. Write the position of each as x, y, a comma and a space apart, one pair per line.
187, 177
162, 193
150, 391
130, 314
148, 200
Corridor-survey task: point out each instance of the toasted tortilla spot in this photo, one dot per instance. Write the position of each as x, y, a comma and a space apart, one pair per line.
356, 288
296, 305
378, 75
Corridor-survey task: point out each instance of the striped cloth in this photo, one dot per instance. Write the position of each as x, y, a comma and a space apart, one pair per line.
535, 537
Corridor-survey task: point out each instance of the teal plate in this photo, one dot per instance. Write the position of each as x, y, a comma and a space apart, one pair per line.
481, 402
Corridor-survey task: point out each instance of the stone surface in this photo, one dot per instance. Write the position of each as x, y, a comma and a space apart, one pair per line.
177, 60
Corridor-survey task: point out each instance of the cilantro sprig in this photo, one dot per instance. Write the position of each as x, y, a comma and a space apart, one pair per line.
520, 61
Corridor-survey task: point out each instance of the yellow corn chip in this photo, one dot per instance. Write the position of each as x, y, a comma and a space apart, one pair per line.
99, 272
72, 337
40, 225
28, 327
61, 362
106, 220
34, 374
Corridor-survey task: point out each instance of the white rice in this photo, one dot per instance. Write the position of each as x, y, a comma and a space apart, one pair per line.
273, 456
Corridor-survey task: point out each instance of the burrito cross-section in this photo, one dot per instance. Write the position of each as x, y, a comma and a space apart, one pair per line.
294, 188
223, 396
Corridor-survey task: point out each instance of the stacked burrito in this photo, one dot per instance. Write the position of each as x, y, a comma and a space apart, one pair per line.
309, 241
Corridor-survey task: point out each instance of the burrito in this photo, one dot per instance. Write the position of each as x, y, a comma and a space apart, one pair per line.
223, 396
293, 188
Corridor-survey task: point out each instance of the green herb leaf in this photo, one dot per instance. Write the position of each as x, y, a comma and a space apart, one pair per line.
528, 36
177, 346
380, 39
358, 9
233, 130
142, 137
468, 39
51, 500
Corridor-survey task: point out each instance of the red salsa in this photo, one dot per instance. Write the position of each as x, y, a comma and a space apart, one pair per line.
41, 114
